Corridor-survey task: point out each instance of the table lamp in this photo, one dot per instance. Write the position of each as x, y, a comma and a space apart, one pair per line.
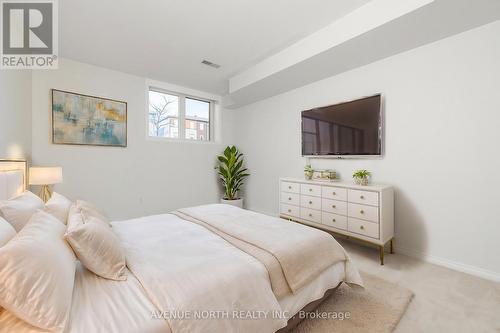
45, 176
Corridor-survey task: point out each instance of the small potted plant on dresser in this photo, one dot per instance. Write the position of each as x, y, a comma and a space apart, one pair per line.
231, 173
308, 171
361, 177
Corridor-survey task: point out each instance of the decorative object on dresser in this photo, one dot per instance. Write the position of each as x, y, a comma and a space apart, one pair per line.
325, 175
361, 212
361, 177
231, 173
45, 176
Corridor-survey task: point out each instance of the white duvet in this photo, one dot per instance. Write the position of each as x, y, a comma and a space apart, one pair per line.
163, 251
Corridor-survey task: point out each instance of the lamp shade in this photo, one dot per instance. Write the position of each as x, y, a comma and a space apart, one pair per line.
45, 175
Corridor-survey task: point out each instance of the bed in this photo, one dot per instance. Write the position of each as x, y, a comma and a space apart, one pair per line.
188, 273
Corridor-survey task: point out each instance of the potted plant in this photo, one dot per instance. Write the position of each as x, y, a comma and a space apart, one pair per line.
308, 171
361, 177
231, 173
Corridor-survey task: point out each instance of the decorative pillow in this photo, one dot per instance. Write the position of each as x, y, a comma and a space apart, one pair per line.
98, 249
37, 272
18, 211
88, 210
74, 216
7, 232
58, 206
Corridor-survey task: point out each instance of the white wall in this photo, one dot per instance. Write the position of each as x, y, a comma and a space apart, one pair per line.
442, 111
15, 114
148, 176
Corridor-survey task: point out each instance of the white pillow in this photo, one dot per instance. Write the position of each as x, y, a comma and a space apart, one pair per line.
37, 272
7, 232
98, 249
88, 210
58, 205
18, 211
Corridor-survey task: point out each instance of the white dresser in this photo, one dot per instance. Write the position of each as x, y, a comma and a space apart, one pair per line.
362, 212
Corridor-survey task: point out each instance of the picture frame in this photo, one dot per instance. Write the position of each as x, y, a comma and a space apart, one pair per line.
86, 120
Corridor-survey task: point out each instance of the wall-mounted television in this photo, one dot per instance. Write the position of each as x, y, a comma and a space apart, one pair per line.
347, 129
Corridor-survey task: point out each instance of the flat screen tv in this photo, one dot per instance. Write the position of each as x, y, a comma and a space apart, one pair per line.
347, 129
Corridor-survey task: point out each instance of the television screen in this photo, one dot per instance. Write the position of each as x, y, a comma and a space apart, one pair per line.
350, 128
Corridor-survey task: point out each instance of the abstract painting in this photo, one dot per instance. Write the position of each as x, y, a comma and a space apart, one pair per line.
87, 120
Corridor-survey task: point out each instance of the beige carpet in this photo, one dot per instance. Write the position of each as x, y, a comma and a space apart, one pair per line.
376, 309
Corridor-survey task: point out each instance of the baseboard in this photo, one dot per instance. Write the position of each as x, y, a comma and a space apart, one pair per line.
457, 266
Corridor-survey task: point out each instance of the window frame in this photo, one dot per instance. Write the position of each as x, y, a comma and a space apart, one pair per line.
182, 116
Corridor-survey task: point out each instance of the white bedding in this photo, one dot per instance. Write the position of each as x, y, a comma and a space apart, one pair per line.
100, 305
162, 252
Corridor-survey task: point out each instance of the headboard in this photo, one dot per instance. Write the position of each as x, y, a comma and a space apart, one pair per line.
13, 178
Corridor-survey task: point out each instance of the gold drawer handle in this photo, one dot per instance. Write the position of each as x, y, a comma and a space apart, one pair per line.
362, 227
289, 187
333, 220
361, 196
310, 202
333, 206
362, 211
289, 198
333, 193
289, 210
310, 190
310, 215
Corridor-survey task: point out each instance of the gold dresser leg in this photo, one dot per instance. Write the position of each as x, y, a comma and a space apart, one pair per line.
381, 249
392, 246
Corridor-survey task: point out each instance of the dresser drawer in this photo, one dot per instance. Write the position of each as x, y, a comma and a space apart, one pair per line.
307, 201
363, 197
308, 189
335, 193
310, 214
334, 220
363, 212
334, 206
290, 187
364, 228
290, 210
290, 198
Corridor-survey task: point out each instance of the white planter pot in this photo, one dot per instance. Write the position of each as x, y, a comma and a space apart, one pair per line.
237, 202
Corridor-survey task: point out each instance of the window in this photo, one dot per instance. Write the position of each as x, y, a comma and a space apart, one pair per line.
163, 115
177, 116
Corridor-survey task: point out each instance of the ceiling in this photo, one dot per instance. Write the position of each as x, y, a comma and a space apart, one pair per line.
166, 40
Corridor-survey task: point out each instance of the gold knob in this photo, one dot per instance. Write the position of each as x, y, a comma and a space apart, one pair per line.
289, 210
362, 211
310, 215
289, 187
333, 220
334, 193
362, 228
333, 206
289, 198
361, 196
310, 202
310, 190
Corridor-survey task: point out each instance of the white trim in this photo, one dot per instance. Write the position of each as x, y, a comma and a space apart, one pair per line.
457, 266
